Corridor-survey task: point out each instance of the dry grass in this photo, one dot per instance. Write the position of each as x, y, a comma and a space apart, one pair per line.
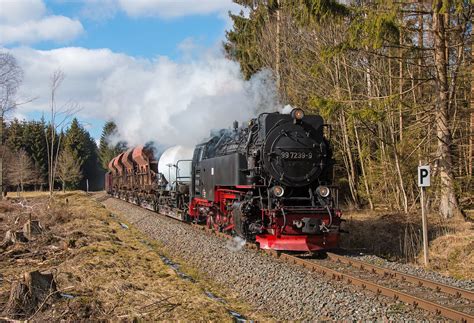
453, 253
110, 272
399, 237
30, 194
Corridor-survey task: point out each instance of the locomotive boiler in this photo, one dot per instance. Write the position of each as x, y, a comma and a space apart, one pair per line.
268, 181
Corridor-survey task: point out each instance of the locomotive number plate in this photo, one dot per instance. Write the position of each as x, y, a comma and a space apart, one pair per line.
296, 155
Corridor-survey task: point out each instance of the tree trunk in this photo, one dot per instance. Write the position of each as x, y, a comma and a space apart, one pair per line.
351, 173
277, 48
400, 90
471, 130
362, 167
1, 157
449, 206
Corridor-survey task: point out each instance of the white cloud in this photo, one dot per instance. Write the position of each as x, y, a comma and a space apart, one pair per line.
84, 71
18, 11
104, 9
26, 22
159, 100
175, 8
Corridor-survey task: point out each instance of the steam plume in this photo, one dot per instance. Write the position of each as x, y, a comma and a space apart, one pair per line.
174, 103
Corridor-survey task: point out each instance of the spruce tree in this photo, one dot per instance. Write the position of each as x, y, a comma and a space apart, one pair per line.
107, 150
79, 141
69, 170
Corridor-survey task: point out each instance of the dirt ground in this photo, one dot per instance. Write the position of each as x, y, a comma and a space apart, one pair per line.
103, 268
399, 237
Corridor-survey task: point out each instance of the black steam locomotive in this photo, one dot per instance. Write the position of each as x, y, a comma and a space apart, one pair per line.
269, 182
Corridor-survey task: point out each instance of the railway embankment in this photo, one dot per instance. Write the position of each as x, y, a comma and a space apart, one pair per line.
288, 292
74, 260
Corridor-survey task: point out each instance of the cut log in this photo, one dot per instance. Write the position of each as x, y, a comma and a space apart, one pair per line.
32, 228
28, 294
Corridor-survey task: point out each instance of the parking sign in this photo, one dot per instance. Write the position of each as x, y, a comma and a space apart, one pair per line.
424, 174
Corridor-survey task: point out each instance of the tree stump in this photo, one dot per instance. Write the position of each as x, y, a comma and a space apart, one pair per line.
32, 228
31, 292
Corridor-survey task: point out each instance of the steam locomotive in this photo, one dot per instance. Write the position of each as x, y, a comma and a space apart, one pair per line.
268, 182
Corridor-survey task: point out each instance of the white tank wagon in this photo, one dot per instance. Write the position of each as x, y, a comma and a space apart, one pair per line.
175, 165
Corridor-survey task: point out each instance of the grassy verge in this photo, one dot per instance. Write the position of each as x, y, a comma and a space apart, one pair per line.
399, 237
104, 268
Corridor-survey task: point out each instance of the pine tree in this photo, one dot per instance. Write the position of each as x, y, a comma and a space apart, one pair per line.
38, 150
78, 140
14, 135
69, 169
107, 150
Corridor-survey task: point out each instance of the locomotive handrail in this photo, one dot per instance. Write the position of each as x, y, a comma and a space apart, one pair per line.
177, 171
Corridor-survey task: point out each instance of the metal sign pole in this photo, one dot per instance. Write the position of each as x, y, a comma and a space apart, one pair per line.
424, 180
425, 227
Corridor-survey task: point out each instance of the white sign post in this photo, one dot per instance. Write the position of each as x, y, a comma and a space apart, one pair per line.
424, 180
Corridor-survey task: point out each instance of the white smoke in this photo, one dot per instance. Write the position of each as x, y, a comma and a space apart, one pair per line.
173, 103
286, 109
235, 244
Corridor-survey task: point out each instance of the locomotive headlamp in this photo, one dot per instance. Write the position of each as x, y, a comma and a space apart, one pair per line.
323, 191
278, 191
297, 114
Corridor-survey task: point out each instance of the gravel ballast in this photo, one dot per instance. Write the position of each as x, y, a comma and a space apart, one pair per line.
285, 291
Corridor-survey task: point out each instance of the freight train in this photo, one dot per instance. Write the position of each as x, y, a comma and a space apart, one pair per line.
268, 181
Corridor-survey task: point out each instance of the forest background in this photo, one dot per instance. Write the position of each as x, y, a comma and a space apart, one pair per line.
392, 78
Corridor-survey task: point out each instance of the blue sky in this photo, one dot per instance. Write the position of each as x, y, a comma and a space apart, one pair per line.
95, 41
146, 36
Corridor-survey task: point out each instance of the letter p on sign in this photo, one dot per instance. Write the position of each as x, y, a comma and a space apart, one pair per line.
424, 176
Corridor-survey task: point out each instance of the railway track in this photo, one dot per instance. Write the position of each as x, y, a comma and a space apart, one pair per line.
440, 299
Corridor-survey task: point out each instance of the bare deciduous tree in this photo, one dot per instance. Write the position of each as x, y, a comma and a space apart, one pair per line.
11, 76
59, 119
21, 170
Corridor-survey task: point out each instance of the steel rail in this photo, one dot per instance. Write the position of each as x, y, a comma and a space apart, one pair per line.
417, 302
435, 308
422, 282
